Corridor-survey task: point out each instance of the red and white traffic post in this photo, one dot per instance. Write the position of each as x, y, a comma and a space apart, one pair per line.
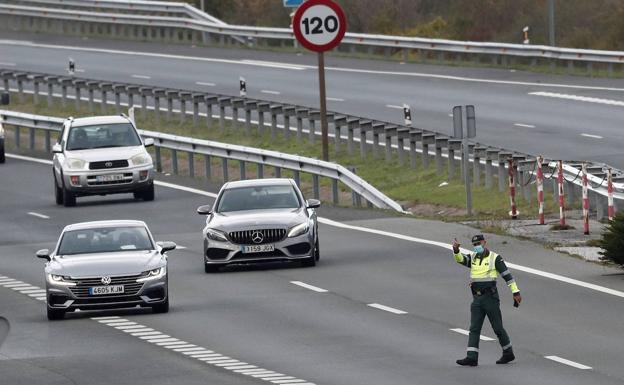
611, 209
320, 25
585, 201
512, 191
540, 189
560, 180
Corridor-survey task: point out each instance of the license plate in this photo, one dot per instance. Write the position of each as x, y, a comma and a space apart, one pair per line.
99, 290
109, 178
257, 248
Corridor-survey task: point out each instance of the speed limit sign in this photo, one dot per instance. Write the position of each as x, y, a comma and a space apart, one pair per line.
319, 25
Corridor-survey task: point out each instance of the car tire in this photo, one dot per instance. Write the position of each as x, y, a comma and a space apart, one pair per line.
161, 307
69, 198
317, 250
55, 314
145, 194
311, 261
58, 193
211, 268
2, 158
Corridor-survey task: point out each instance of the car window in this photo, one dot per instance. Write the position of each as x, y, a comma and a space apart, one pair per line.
258, 198
101, 136
105, 240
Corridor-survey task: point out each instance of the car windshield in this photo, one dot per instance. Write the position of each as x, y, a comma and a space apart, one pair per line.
105, 240
102, 135
258, 198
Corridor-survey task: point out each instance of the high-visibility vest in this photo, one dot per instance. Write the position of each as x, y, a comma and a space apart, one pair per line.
483, 269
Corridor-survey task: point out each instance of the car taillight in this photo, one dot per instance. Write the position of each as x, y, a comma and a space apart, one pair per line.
143, 174
75, 180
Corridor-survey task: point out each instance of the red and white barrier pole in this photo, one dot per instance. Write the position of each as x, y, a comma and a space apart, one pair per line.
512, 191
540, 189
610, 196
562, 221
585, 202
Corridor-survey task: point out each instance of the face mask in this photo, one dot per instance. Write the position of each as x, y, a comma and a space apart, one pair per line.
479, 249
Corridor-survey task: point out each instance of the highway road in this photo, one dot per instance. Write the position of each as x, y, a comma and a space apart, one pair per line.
378, 309
572, 118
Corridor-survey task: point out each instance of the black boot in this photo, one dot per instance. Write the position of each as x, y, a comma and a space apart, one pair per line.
468, 361
507, 357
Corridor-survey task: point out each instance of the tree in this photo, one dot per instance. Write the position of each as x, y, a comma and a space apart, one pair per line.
613, 240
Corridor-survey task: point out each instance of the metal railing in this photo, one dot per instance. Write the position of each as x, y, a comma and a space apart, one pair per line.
200, 22
206, 148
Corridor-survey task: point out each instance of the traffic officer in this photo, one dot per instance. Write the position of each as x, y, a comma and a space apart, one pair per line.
485, 265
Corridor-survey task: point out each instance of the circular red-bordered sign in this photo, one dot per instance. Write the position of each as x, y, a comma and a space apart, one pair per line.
319, 25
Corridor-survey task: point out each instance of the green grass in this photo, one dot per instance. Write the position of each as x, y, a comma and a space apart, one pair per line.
410, 187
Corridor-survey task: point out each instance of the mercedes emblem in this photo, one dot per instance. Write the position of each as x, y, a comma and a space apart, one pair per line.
257, 237
106, 280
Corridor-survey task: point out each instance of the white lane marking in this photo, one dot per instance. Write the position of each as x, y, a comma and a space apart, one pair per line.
386, 308
184, 188
270, 92
126, 323
592, 136
271, 64
568, 362
24, 290
309, 287
14, 283
33, 291
80, 70
34, 214
466, 332
450, 115
180, 346
181, 247
587, 99
141, 334
524, 125
134, 328
240, 367
104, 318
525, 269
7, 64
141, 77
205, 84
335, 99
394, 106
155, 337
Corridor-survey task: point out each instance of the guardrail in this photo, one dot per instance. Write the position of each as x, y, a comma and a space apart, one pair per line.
382, 140
202, 23
206, 148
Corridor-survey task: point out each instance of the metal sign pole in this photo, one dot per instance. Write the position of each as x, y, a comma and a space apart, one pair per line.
325, 141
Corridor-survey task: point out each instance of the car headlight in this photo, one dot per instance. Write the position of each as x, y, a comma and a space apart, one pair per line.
216, 235
141, 159
59, 280
153, 274
75, 163
298, 230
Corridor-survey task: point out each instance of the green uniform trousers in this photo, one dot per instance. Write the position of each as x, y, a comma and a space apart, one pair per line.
485, 305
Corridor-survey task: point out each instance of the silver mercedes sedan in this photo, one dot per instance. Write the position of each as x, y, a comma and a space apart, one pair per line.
260, 220
105, 265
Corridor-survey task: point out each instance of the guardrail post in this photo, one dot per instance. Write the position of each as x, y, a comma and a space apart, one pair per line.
117, 90
47, 140
351, 125
440, 143
158, 93
174, 161
297, 177
260, 171
490, 154
145, 92
402, 134
502, 159
241, 166
262, 108
479, 153
356, 200
275, 109
519, 174
6, 75
51, 80
223, 102
288, 112
170, 95
453, 145
249, 105
210, 100
316, 186
236, 105
390, 131
208, 167
64, 83
36, 80
19, 77
191, 163
312, 118
104, 88
365, 126
78, 85
278, 172
32, 138
415, 137
377, 129
17, 137
301, 113
184, 97
339, 121
91, 88
335, 194
158, 158
427, 139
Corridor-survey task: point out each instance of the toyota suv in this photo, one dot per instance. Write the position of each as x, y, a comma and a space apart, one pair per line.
101, 155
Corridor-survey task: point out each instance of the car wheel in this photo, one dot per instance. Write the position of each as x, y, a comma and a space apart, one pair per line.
162, 307
58, 193
146, 194
55, 314
211, 268
69, 199
311, 261
317, 250
2, 158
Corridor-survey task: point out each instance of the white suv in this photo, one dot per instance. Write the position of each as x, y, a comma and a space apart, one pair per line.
101, 155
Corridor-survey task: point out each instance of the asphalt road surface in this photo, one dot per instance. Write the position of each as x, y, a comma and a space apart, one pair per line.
376, 310
561, 117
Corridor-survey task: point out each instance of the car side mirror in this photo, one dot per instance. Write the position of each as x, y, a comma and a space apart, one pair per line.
204, 210
313, 203
44, 254
57, 148
166, 246
148, 142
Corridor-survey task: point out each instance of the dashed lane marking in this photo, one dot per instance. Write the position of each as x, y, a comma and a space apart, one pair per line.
42, 216
466, 332
270, 92
386, 308
205, 84
592, 136
141, 77
309, 287
578, 98
568, 362
524, 125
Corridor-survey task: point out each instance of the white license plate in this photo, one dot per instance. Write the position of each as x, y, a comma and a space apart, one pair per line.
99, 290
109, 178
257, 248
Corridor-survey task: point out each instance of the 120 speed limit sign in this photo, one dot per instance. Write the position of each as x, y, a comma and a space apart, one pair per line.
319, 25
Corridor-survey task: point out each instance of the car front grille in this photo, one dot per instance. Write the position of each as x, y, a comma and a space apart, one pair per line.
276, 254
92, 180
108, 164
246, 237
131, 286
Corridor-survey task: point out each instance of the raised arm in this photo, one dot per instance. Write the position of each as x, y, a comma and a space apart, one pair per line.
462, 259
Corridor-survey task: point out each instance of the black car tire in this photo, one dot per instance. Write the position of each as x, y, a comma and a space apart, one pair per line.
2, 158
55, 314
317, 250
211, 268
69, 199
145, 194
162, 307
311, 261
58, 193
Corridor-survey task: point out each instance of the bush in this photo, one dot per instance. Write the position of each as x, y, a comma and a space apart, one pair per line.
613, 240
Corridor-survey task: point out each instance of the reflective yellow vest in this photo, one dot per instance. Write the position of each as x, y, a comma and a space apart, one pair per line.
483, 269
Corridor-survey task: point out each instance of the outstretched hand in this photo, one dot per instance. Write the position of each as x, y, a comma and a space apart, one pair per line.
456, 245
517, 299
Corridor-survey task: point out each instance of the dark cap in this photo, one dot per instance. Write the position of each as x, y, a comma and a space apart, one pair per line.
478, 238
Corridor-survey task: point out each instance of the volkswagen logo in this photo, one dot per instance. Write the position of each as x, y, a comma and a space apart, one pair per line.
257, 237
106, 280
108, 164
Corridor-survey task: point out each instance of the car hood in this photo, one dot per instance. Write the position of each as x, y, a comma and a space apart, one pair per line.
104, 154
257, 219
99, 264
